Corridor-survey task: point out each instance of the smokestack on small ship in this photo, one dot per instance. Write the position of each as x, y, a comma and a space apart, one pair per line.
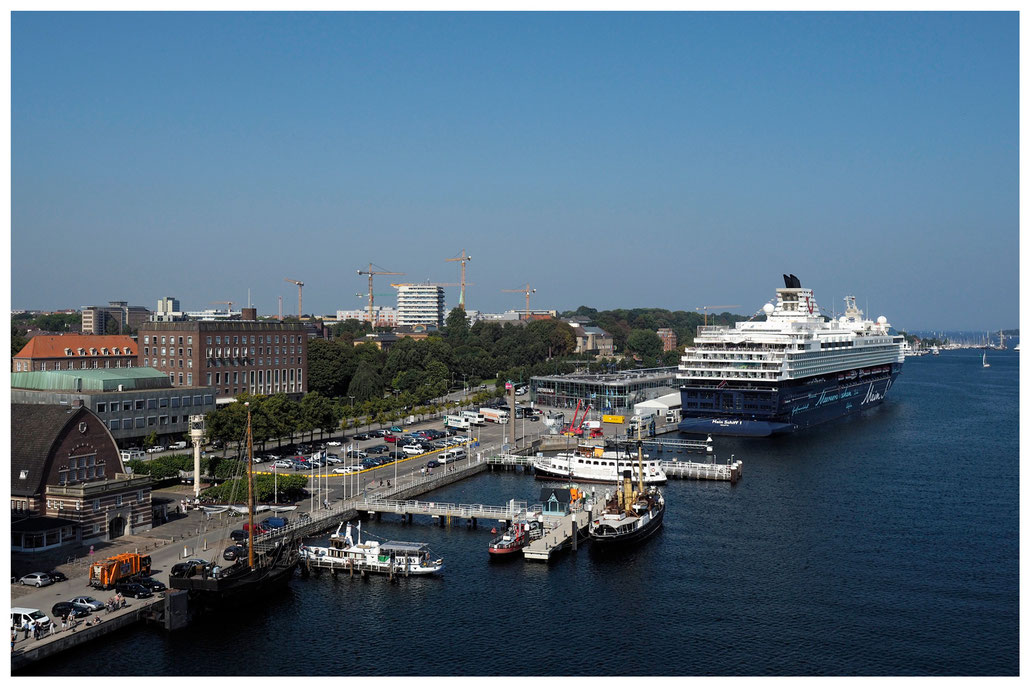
640, 464
627, 489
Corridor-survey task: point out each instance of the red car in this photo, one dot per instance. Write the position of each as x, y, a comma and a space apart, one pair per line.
391, 438
258, 528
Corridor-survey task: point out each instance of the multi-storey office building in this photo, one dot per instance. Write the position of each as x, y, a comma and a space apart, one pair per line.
233, 357
420, 304
132, 403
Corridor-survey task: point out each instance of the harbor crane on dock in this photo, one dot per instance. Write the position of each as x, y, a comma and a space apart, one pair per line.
300, 295
706, 308
526, 291
462, 259
371, 291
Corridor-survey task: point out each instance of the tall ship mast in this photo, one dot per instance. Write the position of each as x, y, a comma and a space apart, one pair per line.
794, 369
269, 562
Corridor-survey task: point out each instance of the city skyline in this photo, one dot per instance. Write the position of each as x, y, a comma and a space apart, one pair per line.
669, 160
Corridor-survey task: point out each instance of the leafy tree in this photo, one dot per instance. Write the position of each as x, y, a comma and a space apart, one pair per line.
456, 328
644, 342
18, 340
316, 412
366, 384
331, 365
283, 415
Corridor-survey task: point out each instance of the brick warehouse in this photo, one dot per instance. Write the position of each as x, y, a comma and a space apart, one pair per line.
68, 484
233, 357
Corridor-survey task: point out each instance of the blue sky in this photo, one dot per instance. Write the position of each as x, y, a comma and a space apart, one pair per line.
612, 160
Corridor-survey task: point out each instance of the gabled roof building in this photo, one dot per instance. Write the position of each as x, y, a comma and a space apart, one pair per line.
75, 352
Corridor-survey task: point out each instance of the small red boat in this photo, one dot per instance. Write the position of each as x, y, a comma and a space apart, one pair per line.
515, 538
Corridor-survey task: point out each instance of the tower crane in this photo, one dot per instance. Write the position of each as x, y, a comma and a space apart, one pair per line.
227, 304
526, 291
706, 308
300, 295
462, 259
371, 291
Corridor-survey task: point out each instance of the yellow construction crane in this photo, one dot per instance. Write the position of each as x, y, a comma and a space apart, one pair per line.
228, 304
462, 259
706, 308
371, 291
300, 295
526, 291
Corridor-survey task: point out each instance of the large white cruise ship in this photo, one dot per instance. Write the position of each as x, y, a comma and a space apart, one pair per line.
795, 369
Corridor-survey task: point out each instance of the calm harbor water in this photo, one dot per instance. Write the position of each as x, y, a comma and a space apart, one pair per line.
883, 544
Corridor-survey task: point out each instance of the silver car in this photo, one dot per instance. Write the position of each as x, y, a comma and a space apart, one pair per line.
37, 579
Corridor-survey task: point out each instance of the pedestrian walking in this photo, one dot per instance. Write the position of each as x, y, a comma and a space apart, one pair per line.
14, 638
25, 628
33, 629
91, 552
64, 623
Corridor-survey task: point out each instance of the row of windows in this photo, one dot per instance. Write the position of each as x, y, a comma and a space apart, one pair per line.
148, 421
169, 339
166, 351
119, 500
262, 377
154, 403
26, 365
260, 339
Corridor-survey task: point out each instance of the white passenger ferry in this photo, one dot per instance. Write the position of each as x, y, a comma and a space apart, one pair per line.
593, 464
794, 369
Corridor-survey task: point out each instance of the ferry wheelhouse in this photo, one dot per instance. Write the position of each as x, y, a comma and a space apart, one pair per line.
794, 369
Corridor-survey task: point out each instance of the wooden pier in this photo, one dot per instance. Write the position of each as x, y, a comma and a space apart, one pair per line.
564, 532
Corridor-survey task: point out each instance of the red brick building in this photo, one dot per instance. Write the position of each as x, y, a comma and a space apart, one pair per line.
75, 352
68, 484
668, 338
232, 356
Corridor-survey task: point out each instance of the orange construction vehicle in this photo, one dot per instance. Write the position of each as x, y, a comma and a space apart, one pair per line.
106, 573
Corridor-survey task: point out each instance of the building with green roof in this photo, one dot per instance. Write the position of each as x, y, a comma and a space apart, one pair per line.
133, 402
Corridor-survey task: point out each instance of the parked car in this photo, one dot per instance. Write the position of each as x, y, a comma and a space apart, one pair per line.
335, 443
390, 438
363, 436
57, 576
381, 448
380, 433
63, 608
155, 449
432, 464
37, 579
238, 536
258, 528
151, 584
133, 589
187, 568
177, 446
89, 602
274, 523
283, 463
302, 464
346, 469
234, 552
333, 460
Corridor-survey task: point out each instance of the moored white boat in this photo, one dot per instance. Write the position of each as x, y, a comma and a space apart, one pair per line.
347, 552
593, 464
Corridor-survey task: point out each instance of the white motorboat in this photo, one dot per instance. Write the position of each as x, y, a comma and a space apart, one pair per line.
348, 552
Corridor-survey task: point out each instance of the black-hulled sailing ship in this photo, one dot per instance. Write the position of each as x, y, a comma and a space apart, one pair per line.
630, 515
269, 565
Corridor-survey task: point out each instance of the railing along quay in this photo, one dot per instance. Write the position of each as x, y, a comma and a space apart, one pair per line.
682, 469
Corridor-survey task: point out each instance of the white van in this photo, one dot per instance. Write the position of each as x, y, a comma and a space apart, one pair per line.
132, 454
20, 616
177, 446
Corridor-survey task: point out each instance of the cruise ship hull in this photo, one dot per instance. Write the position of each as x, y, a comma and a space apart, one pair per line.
791, 407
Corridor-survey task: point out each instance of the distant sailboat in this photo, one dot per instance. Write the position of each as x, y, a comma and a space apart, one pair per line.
986, 364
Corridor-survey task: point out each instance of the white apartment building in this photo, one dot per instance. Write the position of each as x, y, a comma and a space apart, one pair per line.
420, 304
384, 317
